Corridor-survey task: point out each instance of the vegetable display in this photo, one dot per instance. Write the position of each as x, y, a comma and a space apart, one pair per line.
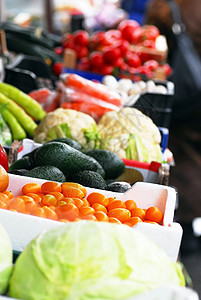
6, 259
131, 51
68, 201
5, 132
18, 110
85, 260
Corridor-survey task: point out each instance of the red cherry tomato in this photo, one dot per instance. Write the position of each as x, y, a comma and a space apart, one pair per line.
146, 32
82, 51
167, 69
113, 35
111, 54
96, 59
57, 68
123, 45
81, 38
106, 69
152, 64
84, 64
3, 158
134, 60
127, 27
98, 40
68, 41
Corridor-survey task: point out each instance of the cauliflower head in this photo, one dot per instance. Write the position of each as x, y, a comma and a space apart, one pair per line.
68, 123
130, 134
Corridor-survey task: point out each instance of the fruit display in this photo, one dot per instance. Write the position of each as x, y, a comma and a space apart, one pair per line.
131, 51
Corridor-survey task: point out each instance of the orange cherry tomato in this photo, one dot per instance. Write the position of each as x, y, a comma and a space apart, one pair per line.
122, 214
96, 197
116, 204
154, 214
138, 212
50, 186
31, 188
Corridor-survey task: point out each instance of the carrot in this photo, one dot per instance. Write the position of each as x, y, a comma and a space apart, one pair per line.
91, 88
95, 110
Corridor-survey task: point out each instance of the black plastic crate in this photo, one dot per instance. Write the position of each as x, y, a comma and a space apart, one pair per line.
29, 73
157, 106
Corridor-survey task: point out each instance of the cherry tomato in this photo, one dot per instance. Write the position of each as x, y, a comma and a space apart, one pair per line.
134, 60
98, 40
123, 45
152, 64
127, 27
82, 51
113, 35
96, 59
81, 37
84, 64
149, 44
146, 32
107, 69
110, 55
68, 41
57, 68
167, 69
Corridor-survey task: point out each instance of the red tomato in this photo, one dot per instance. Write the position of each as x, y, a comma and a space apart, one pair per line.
84, 64
107, 69
127, 27
123, 45
119, 62
3, 158
148, 44
167, 69
113, 35
134, 60
152, 64
81, 37
146, 32
111, 54
82, 51
96, 59
68, 41
98, 40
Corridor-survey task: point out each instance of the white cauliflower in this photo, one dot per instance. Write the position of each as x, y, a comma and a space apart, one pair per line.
68, 123
130, 134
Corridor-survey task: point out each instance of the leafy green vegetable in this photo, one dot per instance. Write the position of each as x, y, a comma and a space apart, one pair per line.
6, 257
91, 260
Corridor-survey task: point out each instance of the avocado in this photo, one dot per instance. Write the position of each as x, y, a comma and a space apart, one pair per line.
66, 158
21, 172
112, 164
22, 163
90, 179
68, 141
47, 172
118, 186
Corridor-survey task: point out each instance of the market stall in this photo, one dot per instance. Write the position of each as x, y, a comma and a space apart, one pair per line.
85, 200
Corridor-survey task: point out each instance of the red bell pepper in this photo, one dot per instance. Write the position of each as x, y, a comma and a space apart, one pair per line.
3, 158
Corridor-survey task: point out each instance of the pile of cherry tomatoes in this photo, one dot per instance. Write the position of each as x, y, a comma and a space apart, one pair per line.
111, 52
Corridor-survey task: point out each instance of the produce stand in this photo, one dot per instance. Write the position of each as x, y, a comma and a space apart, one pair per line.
148, 181
23, 228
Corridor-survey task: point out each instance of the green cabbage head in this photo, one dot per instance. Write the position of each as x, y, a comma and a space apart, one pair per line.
6, 260
90, 260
